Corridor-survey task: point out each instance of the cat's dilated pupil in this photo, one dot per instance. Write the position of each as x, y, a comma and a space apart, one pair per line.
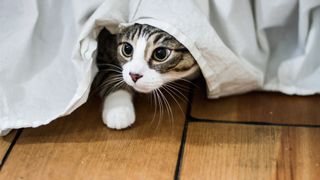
127, 49
161, 53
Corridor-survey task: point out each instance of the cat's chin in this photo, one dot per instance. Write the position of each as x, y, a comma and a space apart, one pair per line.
142, 90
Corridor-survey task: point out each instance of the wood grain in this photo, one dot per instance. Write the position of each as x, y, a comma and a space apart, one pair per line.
5, 143
80, 146
258, 107
224, 151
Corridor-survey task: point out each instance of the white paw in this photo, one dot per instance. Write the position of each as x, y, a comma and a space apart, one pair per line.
119, 117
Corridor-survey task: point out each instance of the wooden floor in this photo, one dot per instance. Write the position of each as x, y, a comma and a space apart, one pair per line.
258, 135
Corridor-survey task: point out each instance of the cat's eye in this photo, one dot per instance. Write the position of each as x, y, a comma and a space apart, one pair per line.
127, 49
161, 54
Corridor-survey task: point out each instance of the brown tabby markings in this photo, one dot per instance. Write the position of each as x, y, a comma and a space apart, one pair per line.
108, 56
180, 60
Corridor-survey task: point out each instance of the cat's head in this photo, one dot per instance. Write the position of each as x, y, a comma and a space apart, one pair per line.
151, 58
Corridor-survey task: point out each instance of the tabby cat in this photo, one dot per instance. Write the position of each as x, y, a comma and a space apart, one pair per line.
140, 58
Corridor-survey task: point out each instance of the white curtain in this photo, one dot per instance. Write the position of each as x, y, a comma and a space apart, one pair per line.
47, 48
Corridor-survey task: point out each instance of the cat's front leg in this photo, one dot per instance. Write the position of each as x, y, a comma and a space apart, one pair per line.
118, 110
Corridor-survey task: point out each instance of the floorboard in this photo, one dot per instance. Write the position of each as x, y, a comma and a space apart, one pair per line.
5, 143
257, 107
220, 151
81, 147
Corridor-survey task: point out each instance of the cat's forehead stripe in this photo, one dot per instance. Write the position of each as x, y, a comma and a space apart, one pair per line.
153, 33
133, 33
168, 38
137, 31
146, 31
157, 38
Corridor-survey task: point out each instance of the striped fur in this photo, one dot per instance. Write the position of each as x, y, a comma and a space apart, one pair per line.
180, 64
180, 58
129, 62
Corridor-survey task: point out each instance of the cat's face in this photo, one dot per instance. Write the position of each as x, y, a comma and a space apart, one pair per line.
151, 58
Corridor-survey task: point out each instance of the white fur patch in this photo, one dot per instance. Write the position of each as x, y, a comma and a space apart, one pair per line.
118, 110
151, 79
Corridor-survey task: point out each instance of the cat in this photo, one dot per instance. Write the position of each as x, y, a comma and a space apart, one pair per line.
140, 58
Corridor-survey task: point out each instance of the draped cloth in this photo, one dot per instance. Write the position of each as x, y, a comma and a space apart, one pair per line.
48, 47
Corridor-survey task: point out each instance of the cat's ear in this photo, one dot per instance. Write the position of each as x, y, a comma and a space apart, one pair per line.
123, 26
105, 35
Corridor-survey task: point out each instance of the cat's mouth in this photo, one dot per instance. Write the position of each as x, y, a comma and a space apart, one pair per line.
142, 89
143, 82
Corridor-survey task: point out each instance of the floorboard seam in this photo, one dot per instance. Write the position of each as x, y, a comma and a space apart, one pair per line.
184, 136
15, 139
181, 151
252, 123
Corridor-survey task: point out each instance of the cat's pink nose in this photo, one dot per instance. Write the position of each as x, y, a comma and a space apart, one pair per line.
135, 76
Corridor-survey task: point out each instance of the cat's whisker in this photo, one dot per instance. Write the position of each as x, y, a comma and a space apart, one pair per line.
107, 83
160, 108
180, 79
185, 89
102, 85
190, 82
168, 108
179, 95
114, 79
155, 106
180, 85
116, 84
112, 65
111, 70
171, 93
177, 88
122, 84
114, 76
